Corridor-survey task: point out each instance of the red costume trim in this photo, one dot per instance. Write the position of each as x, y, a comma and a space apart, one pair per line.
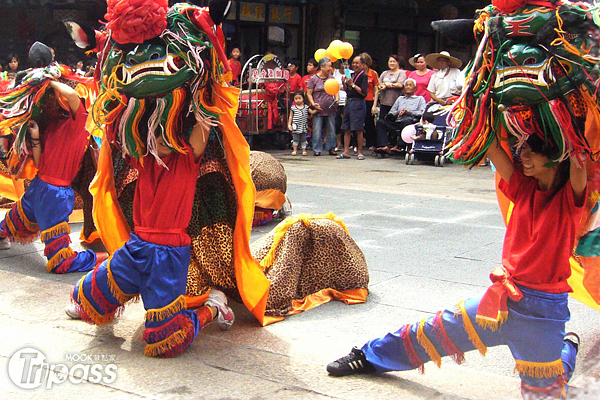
447, 344
492, 309
413, 357
58, 243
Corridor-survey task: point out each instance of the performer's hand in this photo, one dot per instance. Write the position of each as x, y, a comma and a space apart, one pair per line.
34, 129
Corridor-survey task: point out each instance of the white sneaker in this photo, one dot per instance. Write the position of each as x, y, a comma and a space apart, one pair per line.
225, 316
4, 244
71, 311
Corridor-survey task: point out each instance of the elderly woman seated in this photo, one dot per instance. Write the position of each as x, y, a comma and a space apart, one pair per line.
407, 110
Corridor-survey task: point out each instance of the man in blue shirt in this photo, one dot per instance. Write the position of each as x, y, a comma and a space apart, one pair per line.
407, 110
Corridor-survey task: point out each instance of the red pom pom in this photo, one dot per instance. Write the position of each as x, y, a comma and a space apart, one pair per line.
508, 6
135, 21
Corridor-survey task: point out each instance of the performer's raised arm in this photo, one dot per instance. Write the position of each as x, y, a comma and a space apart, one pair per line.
501, 160
68, 93
199, 139
578, 178
34, 135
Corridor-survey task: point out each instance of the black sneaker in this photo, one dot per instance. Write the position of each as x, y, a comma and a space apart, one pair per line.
353, 363
573, 338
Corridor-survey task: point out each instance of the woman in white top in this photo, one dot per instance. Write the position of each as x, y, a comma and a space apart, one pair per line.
391, 83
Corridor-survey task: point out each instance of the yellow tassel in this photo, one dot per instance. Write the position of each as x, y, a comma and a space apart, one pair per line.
18, 235
286, 224
470, 329
595, 196
115, 290
160, 314
55, 231
540, 370
97, 318
491, 323
427, 345
158, 348
32, 226
62, 255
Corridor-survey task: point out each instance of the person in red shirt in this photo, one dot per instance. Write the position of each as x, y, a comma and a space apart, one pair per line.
372, 94
295, 80
236, 66
48, 201
311, 69
526, 306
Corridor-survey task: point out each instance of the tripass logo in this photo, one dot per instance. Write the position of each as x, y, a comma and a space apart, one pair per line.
28, 369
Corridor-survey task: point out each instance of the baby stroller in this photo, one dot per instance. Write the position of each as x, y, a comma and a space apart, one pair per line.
431, 149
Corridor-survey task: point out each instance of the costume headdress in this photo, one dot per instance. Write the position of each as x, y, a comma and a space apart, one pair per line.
195, 61
534, 73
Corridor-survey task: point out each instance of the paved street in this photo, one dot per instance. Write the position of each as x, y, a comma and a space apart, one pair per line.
430, 235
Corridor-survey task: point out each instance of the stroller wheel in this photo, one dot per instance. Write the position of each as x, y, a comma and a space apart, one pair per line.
436, 161
442, 161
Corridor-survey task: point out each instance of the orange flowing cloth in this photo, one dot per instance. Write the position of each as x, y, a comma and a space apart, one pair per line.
252, 284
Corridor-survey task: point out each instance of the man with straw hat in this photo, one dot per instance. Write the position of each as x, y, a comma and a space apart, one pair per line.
443, 84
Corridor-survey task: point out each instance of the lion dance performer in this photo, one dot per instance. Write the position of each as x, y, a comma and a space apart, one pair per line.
41, 102
530, 95
157, 106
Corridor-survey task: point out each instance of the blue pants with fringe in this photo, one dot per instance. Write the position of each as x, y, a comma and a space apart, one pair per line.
159, 275
46, 208
534, 333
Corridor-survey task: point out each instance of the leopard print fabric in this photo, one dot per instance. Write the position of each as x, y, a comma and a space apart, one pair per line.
212, 225
267, 172
309, 259
84, 199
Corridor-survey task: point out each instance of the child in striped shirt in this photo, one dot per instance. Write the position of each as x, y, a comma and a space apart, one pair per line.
298, 122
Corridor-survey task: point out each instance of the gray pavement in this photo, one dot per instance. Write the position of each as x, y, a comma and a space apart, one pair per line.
430, 235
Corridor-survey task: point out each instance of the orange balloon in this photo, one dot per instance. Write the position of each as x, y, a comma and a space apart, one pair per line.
330, 56
346, 50
334, 48
332, 86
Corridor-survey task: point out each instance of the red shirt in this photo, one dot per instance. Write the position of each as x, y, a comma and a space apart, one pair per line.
305, 79
372, 82
236, 70
295, 83
64, 142
422, 83
540, 235
162, 206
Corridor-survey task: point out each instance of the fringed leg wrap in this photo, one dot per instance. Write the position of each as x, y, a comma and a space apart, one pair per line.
160, 314
470, 329
16, 226
57, 244
413, 357
102, 309
174, 336
86, 310
117, 293
59, 254
61, 261
427, 345
55, 231
540, 369
557, 391
442, 337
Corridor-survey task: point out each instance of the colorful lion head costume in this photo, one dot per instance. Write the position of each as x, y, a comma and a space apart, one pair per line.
535, 71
